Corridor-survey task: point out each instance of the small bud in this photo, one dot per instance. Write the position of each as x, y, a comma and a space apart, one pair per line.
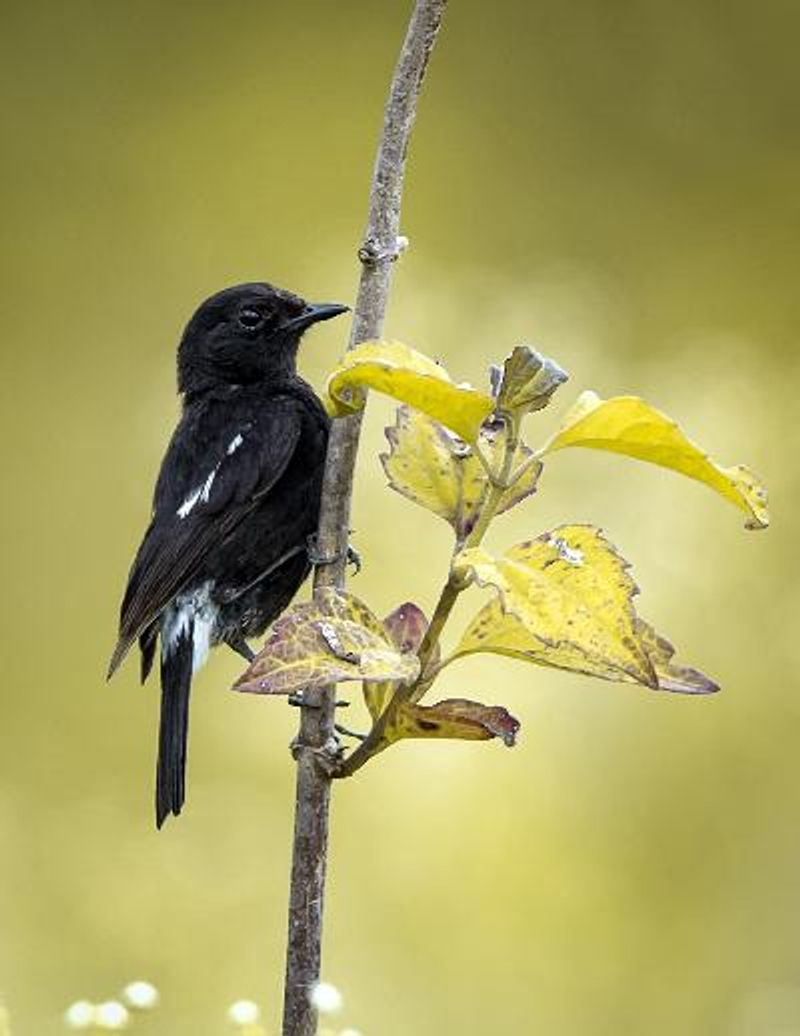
326, 998
79, 1015
244, 1012
141, 996
111, 1015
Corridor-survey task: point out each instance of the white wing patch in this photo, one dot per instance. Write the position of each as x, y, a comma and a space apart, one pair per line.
200, 495
203, 492
234, 444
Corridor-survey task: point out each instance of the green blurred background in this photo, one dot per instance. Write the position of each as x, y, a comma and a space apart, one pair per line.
616, 182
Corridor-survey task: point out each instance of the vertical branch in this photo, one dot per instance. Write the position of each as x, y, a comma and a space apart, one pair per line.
379, 250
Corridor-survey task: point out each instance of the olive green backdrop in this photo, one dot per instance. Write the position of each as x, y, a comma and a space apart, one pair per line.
616, 182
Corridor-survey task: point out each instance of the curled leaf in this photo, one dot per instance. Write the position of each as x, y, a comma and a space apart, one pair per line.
437, 470
454, 718
527, 381
570, 591
332, 638
411, 377
626, 424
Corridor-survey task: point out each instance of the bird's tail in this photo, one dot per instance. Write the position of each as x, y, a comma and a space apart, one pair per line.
176, 682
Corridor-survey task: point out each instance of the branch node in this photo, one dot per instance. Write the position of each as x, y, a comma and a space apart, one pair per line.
327, 757
371, 254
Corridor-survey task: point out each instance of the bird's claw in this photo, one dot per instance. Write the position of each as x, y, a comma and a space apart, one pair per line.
354, 559
345, 732
318, 557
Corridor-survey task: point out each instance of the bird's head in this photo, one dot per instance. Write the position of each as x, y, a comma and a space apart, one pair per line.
246, 334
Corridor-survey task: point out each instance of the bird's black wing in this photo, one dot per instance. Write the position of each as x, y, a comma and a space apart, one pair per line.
237, 471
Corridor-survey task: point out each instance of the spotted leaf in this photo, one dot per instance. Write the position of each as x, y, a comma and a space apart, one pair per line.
439, 471
332, 638
405, 628
493, 630
570, 593
454, 718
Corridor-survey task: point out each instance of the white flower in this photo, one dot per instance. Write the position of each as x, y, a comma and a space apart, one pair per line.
350, 1032
79, 1015
111, 1015
141, 996
244, 1012
326, 998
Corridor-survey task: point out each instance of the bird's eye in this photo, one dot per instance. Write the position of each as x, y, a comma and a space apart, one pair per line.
251, 319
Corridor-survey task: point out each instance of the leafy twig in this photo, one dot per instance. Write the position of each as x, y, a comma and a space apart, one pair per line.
316, 737
444, 606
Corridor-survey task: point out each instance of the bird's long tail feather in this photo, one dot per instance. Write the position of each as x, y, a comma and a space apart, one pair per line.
176, 682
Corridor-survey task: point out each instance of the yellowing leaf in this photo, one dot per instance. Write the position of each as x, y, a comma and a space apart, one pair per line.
411, 377
571, 591
455, 718
626, 424
332, 638
440, 472
494, 631
527, 381
405, 629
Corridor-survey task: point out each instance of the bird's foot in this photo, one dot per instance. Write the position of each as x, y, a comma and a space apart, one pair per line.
318, 557
354, 559
241, 647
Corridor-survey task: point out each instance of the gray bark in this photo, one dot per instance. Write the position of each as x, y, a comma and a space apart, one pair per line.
316, 738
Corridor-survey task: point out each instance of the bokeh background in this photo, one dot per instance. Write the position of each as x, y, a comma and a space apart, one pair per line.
614, 182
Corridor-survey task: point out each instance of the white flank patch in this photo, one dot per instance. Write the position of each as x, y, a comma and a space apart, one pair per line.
201, 641
194, 615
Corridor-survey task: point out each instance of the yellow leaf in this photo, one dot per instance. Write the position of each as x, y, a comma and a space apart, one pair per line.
503, 634
571, 591
411, 377
455, 718
439, 471
626, 424
330, 639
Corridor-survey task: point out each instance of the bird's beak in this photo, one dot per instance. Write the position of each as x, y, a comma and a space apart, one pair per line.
316, 311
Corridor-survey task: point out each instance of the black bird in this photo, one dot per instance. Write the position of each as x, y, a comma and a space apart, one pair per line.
236, 501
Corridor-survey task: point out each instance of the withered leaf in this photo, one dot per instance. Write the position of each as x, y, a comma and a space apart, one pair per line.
454, 718
332, 638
